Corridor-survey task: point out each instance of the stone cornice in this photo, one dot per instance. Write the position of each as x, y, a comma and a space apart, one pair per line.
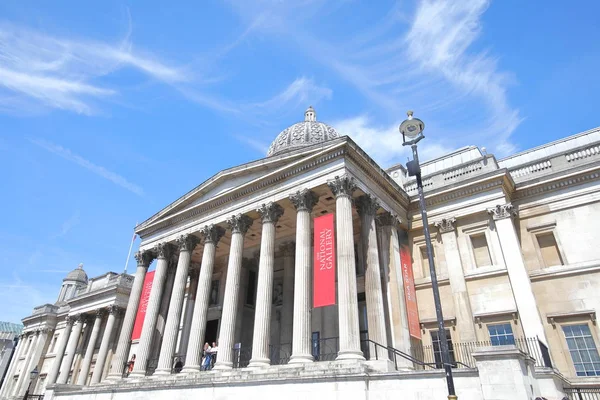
483, 183
557, 183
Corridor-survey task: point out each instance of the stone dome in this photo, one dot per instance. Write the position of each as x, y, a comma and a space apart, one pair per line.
302, 134
78, 275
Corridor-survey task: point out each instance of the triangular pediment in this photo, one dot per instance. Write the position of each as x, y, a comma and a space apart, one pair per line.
230, 179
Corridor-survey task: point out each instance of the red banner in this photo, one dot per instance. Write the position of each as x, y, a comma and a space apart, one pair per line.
410, 295
324, 262
141, 312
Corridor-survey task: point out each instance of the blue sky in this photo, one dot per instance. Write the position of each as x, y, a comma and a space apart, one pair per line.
110, 111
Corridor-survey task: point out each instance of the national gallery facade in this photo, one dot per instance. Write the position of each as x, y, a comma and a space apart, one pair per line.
305, 274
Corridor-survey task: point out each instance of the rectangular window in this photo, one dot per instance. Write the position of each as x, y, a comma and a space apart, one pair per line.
501, 334
214, 293
251, 293
53, 345
583, 349
549, 249
437, 348
481, 250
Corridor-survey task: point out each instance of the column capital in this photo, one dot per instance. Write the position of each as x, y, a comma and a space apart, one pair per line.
187, 242
367, 205
502, 211
446, 225
70, 319
388, 219
270, 212
212, 233
240, 223
144, 258
100, 312
113, 309
288, 248
342, 186
77, 318
304, 200
163, 250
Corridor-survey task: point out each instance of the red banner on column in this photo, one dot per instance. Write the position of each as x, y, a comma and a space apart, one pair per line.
141, 312
324, 262
410, 295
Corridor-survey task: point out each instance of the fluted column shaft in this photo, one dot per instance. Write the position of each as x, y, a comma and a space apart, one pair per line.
67, 362
367, 207
60, 352
188, 310
304, 201
23, 380
392, 267
270, 214
186, 243
144, 258
212, 234
342, 188
103, 351
239, 226
11, 368
163, 251
89, 352
287, 312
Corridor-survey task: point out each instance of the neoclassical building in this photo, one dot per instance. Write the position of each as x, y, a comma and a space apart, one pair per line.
308, 268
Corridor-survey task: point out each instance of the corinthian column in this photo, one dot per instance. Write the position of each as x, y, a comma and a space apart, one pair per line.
239, 225
367, 207
163, 251
517, 273
304, 201
270, 214
67, 361
186, 243
89, 352
342, 188
211, 235
106, 338
456, 276
144, 258
287, 312
188, 310
60, 351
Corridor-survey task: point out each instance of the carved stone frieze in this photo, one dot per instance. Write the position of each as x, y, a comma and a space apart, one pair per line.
212, 233
304, 200
240, 223
502, 211
270, 212
164, 250
342, 186
367, 205
187, 242
446, 225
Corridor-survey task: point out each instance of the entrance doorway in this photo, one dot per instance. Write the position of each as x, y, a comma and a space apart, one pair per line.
212, 328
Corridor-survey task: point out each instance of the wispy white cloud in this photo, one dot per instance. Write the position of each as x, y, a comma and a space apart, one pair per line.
82, 162
65, 73
422, 59
255, 144
301, 91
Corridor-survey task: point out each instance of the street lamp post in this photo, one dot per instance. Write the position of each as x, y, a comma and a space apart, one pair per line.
32, 375
412, 129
